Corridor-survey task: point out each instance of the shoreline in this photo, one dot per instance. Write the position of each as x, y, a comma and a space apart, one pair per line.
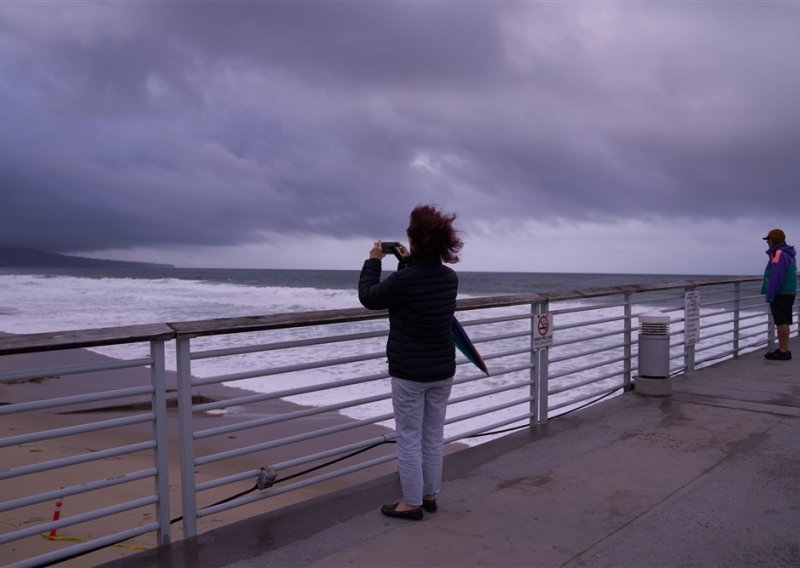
50, 386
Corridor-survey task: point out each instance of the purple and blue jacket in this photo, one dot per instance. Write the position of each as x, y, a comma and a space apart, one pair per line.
780, 275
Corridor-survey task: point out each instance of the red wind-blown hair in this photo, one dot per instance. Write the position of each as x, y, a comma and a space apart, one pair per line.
431, 232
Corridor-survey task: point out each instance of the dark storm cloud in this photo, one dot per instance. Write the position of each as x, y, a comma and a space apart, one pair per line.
147, 124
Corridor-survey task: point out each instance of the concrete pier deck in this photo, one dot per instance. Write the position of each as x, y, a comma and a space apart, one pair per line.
709, 476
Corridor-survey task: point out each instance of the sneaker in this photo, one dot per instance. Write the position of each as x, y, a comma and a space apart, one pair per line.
778, 355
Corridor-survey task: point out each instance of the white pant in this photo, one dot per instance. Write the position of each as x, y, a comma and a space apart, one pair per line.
419, 414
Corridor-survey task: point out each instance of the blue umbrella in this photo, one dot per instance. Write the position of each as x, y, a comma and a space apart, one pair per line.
464, 344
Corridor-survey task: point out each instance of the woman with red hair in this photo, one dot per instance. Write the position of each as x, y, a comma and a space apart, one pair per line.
421, 299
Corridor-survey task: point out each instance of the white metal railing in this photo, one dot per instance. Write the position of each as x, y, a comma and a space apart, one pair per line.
87, 467
316, 404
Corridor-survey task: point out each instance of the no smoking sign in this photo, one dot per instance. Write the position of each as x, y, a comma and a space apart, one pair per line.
543, 331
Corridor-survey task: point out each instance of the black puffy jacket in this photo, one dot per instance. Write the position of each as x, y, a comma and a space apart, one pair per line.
421, 298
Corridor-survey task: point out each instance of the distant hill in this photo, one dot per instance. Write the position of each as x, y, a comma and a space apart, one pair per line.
20, 257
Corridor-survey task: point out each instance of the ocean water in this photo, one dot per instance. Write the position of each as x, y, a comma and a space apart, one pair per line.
44, 300
53, 299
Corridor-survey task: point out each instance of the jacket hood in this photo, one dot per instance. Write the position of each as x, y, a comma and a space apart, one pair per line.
785, 249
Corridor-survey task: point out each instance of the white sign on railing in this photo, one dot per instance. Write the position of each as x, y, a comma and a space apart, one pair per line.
542, 331
691, 322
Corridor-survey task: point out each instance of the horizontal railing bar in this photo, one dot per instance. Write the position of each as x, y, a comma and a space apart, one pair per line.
505, 371
277, 419
680, 343
488, 410
76, 489
211, 458
72, 430
709, 325
75, 369
75, 399
585, 398
287, 393
714, 357
759, 308
591, 337
489, 427
379, 440
725, 301
709, 315
81, 338
233, 377
752, 325
324, 317
241, 401
748, 312
588, 323
502, 354
677, 356
707, 336
227, 480
589, 352
303, 460
489, 392
588, 338
498, 319
481, 377
712, 346
707, 293
75, 460
78, 518
575, 385
586, 368
264, 347
749, 335
610, 375
274, 492
579, 309
94, 544
504, 337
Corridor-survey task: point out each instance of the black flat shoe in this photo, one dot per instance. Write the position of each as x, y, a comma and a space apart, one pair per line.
429, 505
412, 515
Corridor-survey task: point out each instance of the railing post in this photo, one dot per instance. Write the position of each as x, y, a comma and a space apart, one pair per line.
541, 358
161, 453
737, 305
628, 349
797, 307
186, 433
688, 348
534, 383
770, 329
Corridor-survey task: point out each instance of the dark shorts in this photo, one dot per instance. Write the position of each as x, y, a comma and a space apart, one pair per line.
781, 308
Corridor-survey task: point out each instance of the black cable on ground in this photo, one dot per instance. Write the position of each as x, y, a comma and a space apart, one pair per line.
298, 474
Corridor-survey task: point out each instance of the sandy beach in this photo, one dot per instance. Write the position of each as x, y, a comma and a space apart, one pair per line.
48, 387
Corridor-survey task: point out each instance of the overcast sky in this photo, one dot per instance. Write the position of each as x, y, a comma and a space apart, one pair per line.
585, 137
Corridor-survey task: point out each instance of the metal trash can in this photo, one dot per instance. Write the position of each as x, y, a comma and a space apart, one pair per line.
653, 377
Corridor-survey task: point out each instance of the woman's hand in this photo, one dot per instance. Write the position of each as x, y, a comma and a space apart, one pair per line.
376, 251
402, 250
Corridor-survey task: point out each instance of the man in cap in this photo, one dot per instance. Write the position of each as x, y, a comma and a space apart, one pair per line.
780, 287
